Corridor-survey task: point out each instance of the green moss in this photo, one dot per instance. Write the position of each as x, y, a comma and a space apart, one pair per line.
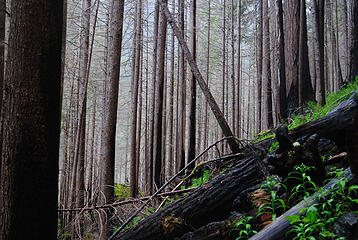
171, 224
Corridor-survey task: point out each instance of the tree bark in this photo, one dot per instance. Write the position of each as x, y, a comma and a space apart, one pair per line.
305, 90
318, 26
353, 56
336, 65
182, 96
238, 75
344, 14
31, 121
266, 69
171, 103
211, 202
192, 99
281, 62
111, 102
259, 58
158, 113
292, 48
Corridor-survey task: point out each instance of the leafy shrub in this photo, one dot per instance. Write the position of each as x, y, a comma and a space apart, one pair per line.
274, 205
243, 229
121, 191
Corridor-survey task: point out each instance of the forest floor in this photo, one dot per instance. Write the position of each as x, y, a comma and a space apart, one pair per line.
296, 179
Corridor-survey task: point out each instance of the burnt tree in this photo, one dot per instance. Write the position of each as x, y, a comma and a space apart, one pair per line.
31, 121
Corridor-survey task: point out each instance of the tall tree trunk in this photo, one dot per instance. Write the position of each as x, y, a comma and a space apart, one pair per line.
150, 160
182, 96
318, 23
233, 79
158, 113
31, 121
238, 64
2, 60
111, 102
192, 99
134, 101
206, 117
344, 14
171, 103
259, 56
281, 62
90, 185
292, 48
305, 90
83, 83
266, 69
353, 54
335, 57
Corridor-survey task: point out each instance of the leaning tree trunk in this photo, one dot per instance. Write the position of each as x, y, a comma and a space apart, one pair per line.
199, 78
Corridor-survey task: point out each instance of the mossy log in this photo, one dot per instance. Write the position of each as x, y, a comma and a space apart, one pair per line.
211, 202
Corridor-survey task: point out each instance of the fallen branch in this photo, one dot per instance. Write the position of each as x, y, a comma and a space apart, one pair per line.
211, 202
127, 201
229, 138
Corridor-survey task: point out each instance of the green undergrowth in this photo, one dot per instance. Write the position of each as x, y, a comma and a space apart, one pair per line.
198, 181
313, 110
313, 222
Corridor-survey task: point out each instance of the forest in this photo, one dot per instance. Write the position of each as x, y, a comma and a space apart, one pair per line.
179, 119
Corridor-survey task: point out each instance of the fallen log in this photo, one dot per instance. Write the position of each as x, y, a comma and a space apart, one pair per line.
211, 202
338, 123
278, 228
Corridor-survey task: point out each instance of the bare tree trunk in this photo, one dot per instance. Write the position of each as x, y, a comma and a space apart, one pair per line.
192, 99
344, 14
305, 90
171, 104
150, 160
158, 113
83, 83
353, 56
223, 61
292, 52
281, 61
182, 96
31, 121
134, 101
266, 69
259, 56
238, 78
206, 117
318, 23
336, 65
90, 185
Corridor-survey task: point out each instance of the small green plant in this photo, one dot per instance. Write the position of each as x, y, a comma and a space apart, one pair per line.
318, 218
197, 182
243, 229
121, 191
274, 147
305, 186
274, 204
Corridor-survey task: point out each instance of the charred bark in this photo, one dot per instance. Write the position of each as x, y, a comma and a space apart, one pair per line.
211, 202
